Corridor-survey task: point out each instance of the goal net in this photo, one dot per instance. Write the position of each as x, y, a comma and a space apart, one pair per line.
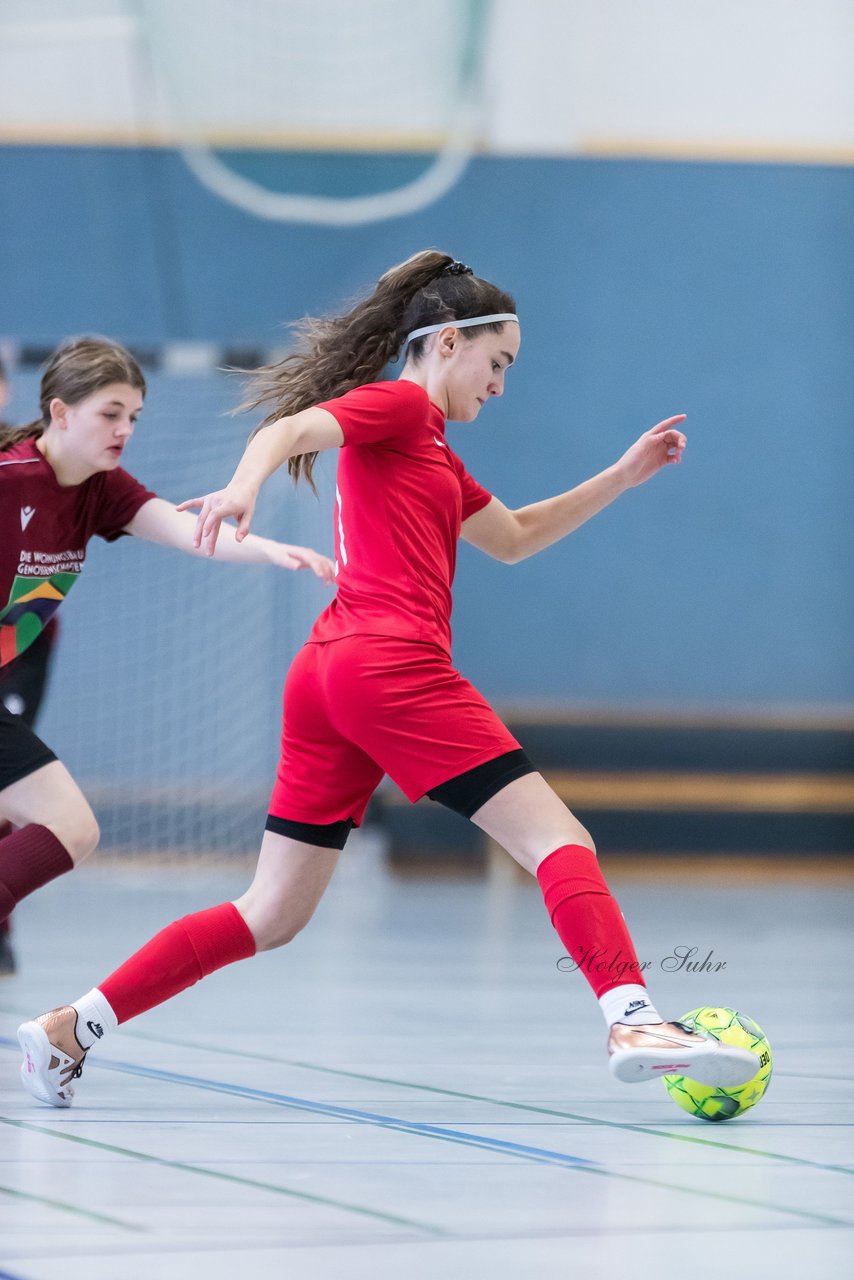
361, 76
261, 96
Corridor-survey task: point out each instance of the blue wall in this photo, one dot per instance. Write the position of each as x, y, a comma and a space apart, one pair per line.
645, 289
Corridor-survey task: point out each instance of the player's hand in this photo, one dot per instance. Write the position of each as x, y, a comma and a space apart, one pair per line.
662, 445
231, 502
287, 557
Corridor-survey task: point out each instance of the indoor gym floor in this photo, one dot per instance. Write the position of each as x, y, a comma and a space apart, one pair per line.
414, 1088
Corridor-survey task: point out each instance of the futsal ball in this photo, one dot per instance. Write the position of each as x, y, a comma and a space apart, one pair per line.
706, 1101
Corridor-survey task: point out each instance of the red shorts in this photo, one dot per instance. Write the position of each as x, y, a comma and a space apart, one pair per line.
362, 706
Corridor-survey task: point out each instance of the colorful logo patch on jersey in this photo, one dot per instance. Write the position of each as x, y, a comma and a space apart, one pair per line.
32, 603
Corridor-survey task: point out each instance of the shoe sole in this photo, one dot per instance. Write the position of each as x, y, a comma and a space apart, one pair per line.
726, 1067
34, 1068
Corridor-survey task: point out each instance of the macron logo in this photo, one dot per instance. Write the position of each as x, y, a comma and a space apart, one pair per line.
27, 514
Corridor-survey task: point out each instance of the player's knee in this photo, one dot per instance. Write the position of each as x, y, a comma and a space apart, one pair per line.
576, 835
79, 833
585, 839
91, 836
271, 932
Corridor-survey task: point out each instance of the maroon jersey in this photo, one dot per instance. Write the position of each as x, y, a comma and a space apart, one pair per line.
44, 529
401, 496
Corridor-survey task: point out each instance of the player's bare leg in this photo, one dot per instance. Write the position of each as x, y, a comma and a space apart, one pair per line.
50, 797
290, 879
46, 828
530, 821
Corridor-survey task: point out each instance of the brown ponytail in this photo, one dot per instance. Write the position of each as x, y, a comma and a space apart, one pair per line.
336, 354
76, 370
10, 435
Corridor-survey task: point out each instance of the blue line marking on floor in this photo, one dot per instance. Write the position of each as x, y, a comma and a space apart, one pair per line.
540, 1154
348, 1113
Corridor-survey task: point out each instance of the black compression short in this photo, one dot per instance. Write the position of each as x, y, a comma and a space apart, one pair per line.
329, 835
21, 752
464, 794
468, 791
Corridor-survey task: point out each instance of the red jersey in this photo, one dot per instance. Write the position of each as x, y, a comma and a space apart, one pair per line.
44, 529
401, 497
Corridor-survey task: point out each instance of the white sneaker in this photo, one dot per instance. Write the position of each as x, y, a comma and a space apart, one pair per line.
53, 1056
655, 1049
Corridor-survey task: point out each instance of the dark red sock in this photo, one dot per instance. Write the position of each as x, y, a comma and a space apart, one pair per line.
588, 921
29, 857
178, 956
6, 921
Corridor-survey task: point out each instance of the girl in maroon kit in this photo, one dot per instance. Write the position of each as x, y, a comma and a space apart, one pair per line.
60, 484
22, 686
373, 690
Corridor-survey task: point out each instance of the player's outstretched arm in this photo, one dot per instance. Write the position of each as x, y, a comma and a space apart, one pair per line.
158, 521
311, 431
512, 536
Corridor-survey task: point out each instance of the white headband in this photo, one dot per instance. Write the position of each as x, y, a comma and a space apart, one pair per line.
459, 324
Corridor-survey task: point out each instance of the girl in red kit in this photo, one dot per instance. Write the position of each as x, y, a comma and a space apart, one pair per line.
61, 484
374, 691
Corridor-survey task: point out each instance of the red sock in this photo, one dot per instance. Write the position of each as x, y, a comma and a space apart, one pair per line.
178, 956
29, 858
588, 921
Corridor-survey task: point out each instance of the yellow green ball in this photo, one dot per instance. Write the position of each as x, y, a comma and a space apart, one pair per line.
707, 1102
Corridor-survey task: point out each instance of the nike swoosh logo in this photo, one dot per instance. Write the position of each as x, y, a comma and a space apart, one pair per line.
443, 443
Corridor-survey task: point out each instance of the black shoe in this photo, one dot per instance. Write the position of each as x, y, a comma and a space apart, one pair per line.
7, 956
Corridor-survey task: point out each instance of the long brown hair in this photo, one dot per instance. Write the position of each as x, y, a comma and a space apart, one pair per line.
335, 354
76, 370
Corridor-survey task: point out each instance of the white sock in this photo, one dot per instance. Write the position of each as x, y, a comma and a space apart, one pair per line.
629, 1003
94, 1018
